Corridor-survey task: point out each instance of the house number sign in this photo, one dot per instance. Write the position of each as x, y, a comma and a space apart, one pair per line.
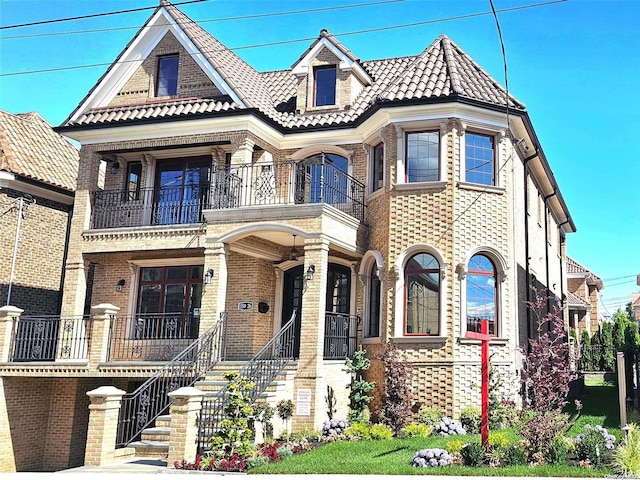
245, 306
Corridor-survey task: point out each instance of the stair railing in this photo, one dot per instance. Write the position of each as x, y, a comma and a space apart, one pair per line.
262, 369
141, 407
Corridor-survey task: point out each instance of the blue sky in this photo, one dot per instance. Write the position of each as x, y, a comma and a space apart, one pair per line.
575, 64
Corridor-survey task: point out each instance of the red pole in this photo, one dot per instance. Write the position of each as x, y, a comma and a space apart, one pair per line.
484, 425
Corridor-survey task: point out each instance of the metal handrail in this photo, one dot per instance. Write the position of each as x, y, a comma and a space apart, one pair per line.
261, 370
141, 407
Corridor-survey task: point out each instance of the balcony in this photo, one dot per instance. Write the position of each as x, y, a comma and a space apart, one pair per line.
234, 187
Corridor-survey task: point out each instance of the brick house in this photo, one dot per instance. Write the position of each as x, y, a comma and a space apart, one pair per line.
299, 213
583, 298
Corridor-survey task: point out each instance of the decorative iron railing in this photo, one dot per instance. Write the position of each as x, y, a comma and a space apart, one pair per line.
262, 369
151, 337
340, 335
50, 338
150, 400
235, 186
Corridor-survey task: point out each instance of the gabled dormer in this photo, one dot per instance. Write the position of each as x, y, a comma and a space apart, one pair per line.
329, 76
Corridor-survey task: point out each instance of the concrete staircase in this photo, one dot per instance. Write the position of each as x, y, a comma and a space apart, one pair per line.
154, 441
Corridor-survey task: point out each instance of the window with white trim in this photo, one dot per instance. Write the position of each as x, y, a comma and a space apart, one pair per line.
372, 320
422, 156
479, 158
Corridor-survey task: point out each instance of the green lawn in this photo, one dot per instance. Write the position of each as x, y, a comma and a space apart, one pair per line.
394, 456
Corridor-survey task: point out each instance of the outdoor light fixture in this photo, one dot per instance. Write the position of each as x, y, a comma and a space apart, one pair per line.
310, 271
293, 253
119, 285
115, 167
208, 276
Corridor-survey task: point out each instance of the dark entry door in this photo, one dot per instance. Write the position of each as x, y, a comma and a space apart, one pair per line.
292, 302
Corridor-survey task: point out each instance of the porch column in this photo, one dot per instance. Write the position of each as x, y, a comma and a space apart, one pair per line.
9, 316
185, 406
102, 316
103, 425
214, 293
309, 381
75, 286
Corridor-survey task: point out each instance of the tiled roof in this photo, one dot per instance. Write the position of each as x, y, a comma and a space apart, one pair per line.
574, 300
30, 148
442, 70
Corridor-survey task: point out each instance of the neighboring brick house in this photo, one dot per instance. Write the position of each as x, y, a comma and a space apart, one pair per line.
583, 298
396, 200
39, 166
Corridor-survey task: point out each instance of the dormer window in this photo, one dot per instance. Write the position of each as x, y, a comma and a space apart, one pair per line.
325, 85
167, 76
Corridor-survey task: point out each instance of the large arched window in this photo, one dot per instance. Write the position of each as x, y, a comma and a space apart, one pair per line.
422, 295
481, 294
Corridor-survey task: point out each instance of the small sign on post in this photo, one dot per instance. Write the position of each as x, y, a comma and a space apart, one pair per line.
484, 337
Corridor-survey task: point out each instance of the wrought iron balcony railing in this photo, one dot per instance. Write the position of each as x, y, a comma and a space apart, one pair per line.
236, 186
50, 338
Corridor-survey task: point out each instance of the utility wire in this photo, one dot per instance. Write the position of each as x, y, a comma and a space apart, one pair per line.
506, 101
225, 19
93, 15
283, 42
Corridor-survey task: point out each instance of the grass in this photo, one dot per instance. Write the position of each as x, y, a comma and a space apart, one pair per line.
393, 457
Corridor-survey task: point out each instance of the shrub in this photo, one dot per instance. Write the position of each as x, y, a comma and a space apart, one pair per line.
359, 387
284, 451
359, 431
498, 440
557, 452
470, 418
256, 461
472, 454
379, 431
429, 416
538, 430
432, 457
626, 458
447, 426
546, 372
514, 454
454, 446
396, 406
285, 409
593, 444
306, 434
334, 427
416, 430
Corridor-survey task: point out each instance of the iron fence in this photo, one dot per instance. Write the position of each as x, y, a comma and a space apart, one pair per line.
50, 338
340, 335
141, 407
151, 337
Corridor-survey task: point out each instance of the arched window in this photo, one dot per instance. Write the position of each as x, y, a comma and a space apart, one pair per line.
481, 294
372, 325
422, 295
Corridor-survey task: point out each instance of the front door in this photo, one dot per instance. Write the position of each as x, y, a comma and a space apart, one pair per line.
338, 298
292, 302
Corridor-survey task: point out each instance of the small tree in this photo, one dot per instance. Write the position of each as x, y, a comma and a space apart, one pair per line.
586, 358
547, 372
608, 357
596, 349
358, 388
396, 407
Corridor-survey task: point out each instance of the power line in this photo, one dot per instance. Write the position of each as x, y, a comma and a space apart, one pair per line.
93, 15
225, 19
618, 278
283, 42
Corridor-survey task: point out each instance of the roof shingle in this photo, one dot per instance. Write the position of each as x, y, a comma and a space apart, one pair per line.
30, 148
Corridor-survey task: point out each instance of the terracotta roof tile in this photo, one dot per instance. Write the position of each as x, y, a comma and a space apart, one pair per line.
574, 300
30, 148
443, 69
